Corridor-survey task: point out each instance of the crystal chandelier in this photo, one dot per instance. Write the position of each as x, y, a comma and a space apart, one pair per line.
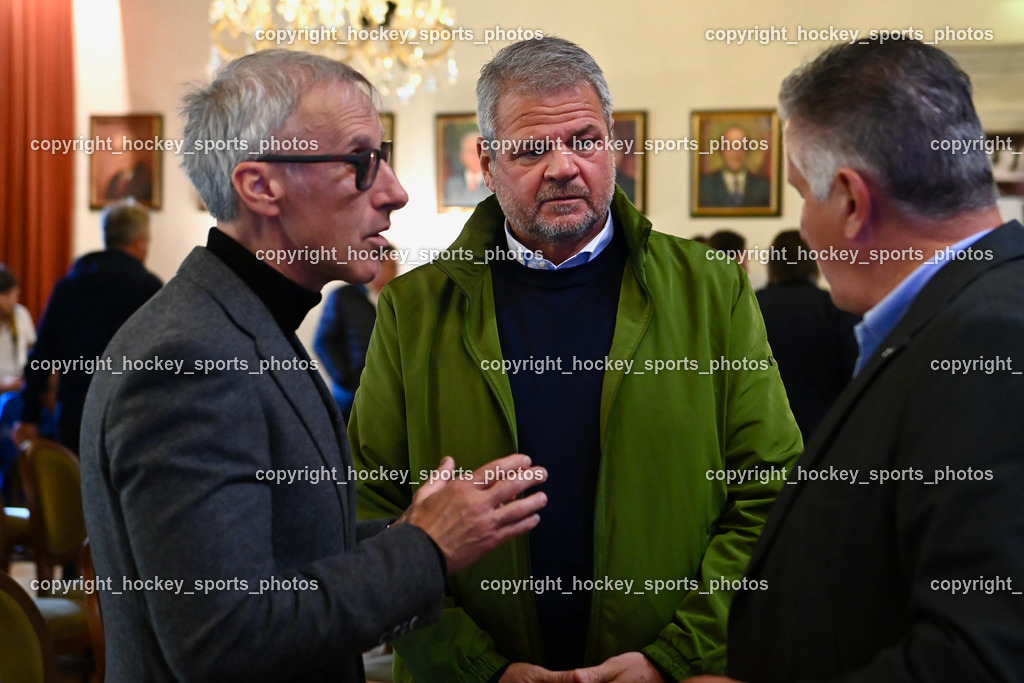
399, 45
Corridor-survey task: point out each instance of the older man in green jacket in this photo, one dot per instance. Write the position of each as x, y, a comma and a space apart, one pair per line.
631, 365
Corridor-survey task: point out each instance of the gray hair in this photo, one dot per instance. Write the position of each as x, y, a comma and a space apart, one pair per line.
123, 223
879, 107
235, 116
536, 67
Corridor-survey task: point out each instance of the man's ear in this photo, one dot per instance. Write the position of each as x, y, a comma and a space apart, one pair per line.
258, 190
485, 164
855, 202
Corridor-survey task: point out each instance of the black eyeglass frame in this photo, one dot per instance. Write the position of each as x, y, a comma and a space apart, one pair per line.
367, 162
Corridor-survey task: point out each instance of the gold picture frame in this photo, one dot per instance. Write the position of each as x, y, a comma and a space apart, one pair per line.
460, 185
631, 166
128, 163
736, 170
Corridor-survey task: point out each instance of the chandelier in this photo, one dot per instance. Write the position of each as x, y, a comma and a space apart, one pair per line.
399, 45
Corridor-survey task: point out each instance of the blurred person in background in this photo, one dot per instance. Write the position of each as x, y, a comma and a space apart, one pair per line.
17, 335
732, 243
85, 310
811, 338
345, 327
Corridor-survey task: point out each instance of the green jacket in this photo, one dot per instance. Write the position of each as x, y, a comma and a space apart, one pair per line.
662, 513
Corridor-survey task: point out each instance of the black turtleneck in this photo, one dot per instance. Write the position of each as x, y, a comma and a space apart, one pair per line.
566, 315
287, 301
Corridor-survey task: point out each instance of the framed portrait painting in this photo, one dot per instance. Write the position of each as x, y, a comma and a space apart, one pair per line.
736, 169
629, 130
129, 163
460, 183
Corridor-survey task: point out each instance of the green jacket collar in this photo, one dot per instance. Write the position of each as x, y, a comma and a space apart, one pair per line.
465, 260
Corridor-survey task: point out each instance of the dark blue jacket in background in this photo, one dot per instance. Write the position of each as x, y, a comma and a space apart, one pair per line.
85, 309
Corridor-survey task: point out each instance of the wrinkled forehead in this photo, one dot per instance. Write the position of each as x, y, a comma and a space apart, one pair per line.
521, 110
331, 111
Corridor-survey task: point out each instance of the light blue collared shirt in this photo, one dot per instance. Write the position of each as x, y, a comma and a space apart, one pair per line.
883, 316
531, 259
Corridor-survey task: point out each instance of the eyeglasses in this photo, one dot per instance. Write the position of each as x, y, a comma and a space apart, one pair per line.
367, 162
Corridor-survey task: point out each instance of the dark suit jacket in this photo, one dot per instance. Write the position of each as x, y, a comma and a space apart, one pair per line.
85, 309
853, 573
814, 344
713, 191
175, 487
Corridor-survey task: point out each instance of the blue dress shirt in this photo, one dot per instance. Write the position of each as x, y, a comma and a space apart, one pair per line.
883, 316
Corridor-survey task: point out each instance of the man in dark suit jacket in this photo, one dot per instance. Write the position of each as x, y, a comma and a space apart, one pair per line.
217, 476
85, 309
917, 577
811, 338
343, 335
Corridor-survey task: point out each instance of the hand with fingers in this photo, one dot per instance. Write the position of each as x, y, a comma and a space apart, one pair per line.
468, 516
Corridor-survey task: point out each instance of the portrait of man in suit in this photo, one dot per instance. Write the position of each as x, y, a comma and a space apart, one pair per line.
629, 129
734, 184
465, 185
735, 163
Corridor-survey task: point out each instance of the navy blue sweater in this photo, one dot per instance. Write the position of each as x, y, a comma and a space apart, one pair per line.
86, 308
567, 318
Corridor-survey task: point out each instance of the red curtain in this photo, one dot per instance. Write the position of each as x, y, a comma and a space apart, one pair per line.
36, 187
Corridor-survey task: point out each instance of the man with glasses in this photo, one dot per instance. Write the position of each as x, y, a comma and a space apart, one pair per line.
216, 469
367, 162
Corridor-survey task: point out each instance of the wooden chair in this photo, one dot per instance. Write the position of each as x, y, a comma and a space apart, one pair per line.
26, 651
51, 479
15, 532
17, 536
67, 621
92, 605
52, 484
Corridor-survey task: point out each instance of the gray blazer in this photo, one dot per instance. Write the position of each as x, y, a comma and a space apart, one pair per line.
174, 465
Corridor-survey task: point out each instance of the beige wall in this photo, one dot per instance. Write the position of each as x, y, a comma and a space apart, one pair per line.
654, 53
